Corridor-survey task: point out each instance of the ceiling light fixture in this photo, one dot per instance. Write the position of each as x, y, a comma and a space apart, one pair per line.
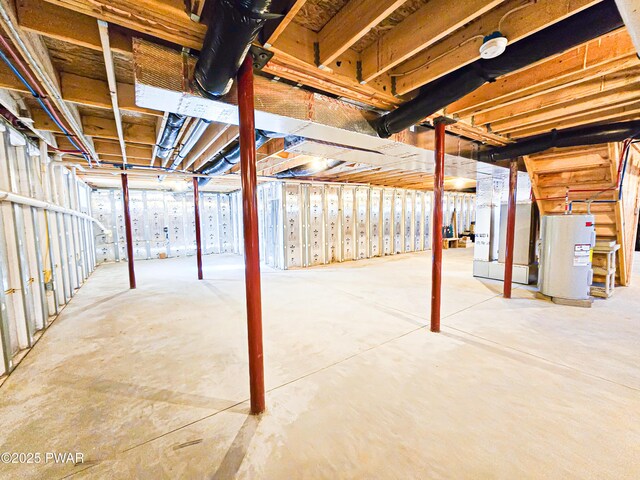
493, 45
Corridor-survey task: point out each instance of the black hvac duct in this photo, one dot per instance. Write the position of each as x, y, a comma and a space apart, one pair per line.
579, 28
169, 136
190, 142
226, 160
570, 137
308, 169
232, 26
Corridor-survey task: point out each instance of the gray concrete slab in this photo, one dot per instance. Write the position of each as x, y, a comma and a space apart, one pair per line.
153, 383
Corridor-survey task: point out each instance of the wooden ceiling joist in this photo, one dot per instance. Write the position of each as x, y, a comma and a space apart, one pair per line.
220, 143
166, 20
83, 91
285, 22
516, 19
105, 147
100, 127
622, 95
601, 56
53, 21
109, 147
350, 24
606, 114
431, 23
588, 89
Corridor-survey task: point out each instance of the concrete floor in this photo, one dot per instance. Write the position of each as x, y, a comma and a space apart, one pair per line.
153, 383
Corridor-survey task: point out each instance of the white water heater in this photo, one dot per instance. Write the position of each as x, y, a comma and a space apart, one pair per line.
566, 253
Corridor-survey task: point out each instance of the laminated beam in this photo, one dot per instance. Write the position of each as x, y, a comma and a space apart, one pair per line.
517, 19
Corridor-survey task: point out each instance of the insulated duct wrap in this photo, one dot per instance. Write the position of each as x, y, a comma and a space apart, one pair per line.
226, 160
169, 135
233, 26
162, 81
570, 137
591, 23
309, 169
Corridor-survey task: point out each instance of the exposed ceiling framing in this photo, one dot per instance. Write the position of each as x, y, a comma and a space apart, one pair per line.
376, 52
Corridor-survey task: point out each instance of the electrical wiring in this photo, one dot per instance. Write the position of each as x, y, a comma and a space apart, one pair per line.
41, 99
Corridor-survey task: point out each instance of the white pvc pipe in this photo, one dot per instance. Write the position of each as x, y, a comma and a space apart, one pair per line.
32, 202
630, 13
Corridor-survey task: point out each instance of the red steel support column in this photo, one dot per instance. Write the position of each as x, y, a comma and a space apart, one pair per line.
196, 205
250, 226
438, 192
511, 228
127, 226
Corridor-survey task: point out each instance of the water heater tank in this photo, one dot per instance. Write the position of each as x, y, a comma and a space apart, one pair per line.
566, 253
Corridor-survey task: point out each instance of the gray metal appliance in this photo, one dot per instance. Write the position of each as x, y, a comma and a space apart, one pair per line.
566, 253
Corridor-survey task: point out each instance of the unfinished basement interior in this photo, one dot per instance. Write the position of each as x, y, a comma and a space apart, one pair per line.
320, 239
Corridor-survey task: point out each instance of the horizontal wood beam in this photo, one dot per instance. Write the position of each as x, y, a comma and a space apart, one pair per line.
285, 22
610, 113
603, 55
99, 127
428, 25
223, 141
108, 147
573, 106
104, 147
83, 91
286, 164
166, 20
517, 19
95, 93
295, 60
63, 24
589, 88
352, 22
118, 159
208, 137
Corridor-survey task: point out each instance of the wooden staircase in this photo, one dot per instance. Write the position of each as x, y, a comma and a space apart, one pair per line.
592, 173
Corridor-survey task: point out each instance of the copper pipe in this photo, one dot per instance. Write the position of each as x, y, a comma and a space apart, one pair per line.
250, 227
438, 193
196, 207
127, 226
511, 228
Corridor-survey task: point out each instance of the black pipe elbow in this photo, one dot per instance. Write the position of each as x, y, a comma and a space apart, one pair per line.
233, 27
